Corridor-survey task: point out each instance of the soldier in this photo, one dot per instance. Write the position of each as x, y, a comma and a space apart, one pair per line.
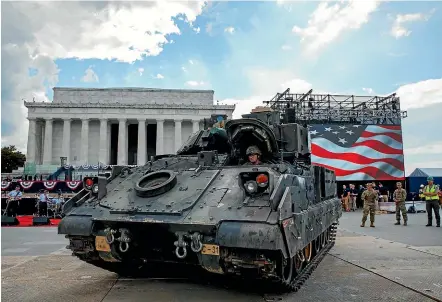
254, 155
399, 197
219, 122
432, 202
369, 198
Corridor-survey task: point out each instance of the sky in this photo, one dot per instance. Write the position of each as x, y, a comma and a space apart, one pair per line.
245, 51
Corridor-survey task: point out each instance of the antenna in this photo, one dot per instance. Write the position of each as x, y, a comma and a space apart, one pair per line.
282, 140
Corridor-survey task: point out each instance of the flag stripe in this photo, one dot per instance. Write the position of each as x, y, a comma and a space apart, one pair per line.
386, 140
360, 176
366, 152
375, 173
395, 136
373, 144
352, 167
362, 149
377, 129
390, 127
356, 158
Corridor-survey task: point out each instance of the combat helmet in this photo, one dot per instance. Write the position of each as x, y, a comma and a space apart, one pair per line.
253, 150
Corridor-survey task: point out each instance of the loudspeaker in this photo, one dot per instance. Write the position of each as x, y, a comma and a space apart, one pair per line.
40, 220
6, 220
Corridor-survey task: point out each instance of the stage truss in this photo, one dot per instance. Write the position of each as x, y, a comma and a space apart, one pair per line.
312, 108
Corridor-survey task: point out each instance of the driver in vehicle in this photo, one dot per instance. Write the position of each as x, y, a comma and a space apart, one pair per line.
254, 154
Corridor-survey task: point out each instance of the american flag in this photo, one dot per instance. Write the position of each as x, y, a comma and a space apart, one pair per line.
359, 152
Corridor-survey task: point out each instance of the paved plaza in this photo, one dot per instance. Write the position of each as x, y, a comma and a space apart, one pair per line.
386, 263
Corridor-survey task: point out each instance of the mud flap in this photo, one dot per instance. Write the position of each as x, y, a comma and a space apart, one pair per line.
294, 231
259, 236
76, 226
210, 263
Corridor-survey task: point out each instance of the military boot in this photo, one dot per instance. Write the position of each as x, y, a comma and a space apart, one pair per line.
405, 222
363, 224
372, 224
398, 222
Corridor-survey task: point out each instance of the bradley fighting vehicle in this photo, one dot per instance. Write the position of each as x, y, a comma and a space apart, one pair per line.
276, 220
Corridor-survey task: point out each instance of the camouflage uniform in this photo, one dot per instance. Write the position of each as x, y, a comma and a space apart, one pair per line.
399, 197
369, 198
253, 150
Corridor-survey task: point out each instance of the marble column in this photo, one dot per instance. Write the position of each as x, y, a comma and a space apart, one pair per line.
102, 158
122, 150
177, 134
84, 157
160, 137
32, 141
47, 149
142, 144
66, 142
195, 126
109, 143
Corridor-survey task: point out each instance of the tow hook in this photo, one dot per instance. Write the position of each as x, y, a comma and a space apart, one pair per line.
196, 246
124, 239
110, 238
181, 245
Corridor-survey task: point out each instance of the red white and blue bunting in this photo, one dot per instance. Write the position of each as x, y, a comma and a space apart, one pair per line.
49, 185
73, 184
5, 184
26, 184
95, 167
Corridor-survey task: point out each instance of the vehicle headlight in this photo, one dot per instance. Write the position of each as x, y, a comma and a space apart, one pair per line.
95, 189
251, 186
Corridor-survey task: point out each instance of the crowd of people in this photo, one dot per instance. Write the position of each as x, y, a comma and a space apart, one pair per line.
371, 195
351, 196
43, 200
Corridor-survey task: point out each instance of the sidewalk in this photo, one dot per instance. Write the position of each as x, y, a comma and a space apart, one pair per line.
410, 256
415, 233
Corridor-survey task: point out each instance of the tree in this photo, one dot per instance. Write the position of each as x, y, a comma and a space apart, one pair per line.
12, 159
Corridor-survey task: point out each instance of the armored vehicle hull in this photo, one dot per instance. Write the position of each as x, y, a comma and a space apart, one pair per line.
275, 220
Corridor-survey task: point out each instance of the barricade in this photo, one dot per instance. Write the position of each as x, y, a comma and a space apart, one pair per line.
27, 221
390, 207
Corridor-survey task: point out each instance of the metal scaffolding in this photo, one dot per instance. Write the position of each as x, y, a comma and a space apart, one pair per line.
312, 108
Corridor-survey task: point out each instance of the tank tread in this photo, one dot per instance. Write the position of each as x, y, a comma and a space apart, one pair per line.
302, 277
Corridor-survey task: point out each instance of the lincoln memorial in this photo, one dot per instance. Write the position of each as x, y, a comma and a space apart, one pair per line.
121, 126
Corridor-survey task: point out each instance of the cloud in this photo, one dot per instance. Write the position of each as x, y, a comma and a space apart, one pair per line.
18, 85
327, 22
420, 94
90, 76
195, 83
286, 47
125, 32
368, 90
431, 148
140, 71
229, 30
159, 76
422, 142
398, 29
244, 106
209, 27
265, 83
